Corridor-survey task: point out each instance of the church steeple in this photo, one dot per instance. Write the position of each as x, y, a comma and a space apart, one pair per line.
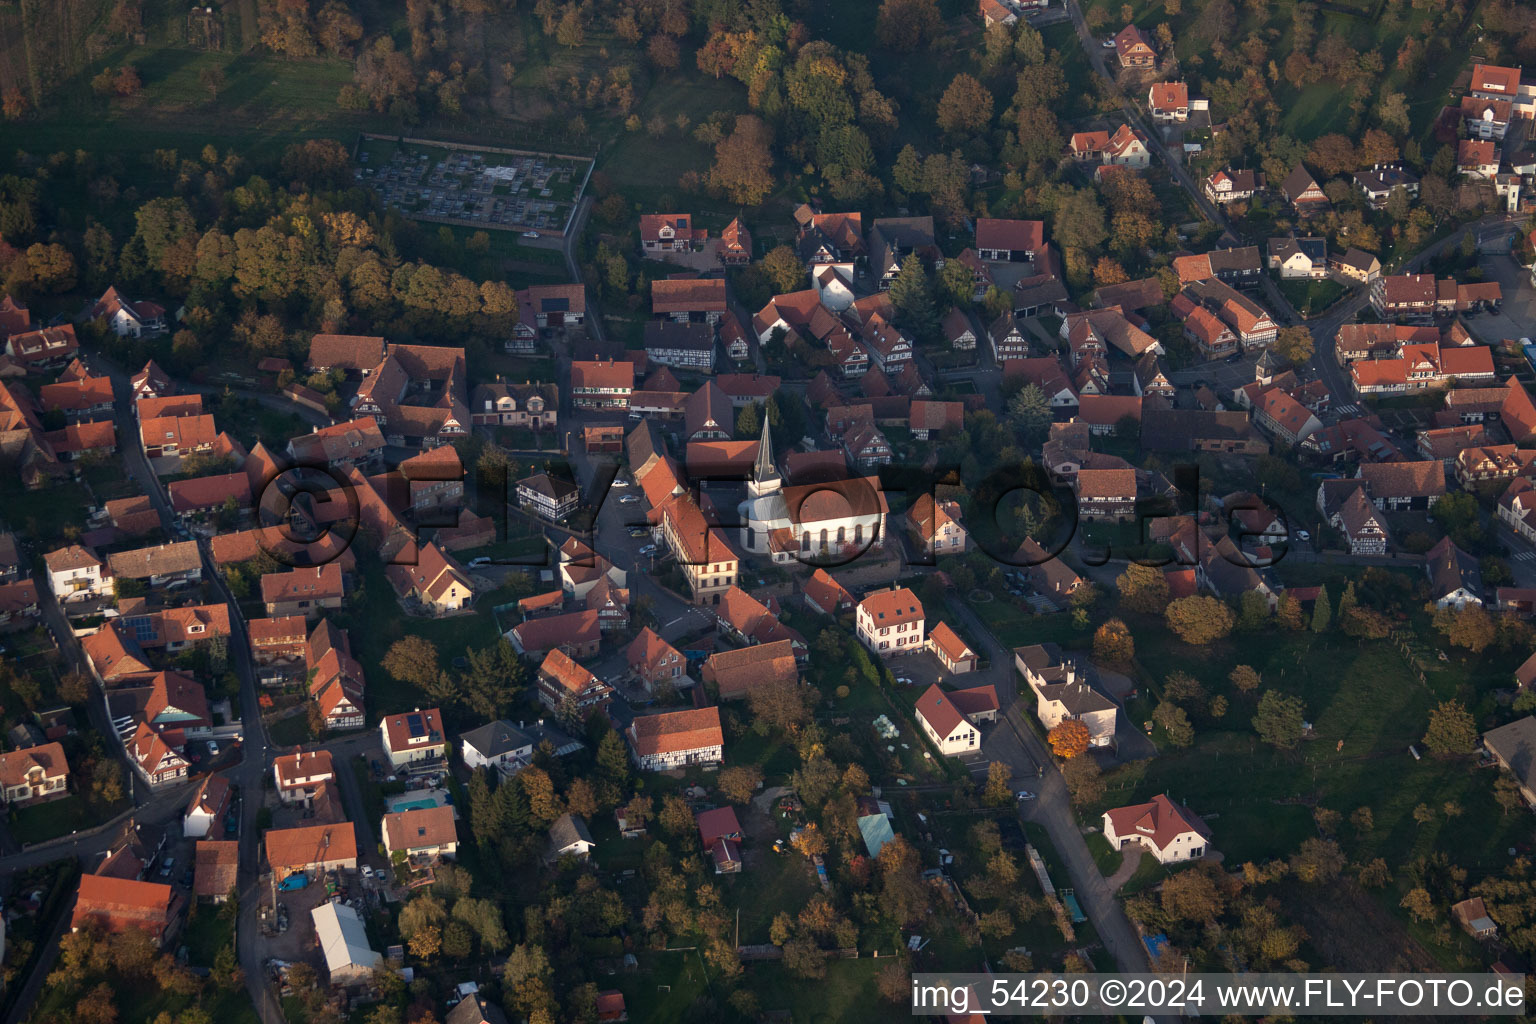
765, 475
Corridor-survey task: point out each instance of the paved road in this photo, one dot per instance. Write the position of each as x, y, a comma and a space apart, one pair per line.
1013, 742
256, 754
594, 318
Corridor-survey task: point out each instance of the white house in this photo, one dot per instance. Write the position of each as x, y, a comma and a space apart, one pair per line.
500, 745
414, 736
206, 808
299, 775
569, 837
75, 574
890, 622
945, 725
1164, 829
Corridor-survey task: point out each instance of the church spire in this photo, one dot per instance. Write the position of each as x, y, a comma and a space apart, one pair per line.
764, 472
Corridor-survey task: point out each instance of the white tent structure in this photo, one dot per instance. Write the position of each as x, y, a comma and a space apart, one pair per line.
344, 941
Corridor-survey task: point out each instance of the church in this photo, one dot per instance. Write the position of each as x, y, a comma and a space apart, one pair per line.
816, 520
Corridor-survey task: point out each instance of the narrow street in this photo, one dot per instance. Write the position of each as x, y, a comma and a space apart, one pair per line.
1015, 743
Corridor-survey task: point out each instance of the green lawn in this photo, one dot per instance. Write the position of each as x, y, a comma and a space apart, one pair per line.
266, 101
1365, 709
1310, 297
846, 993
42, 822
290, 731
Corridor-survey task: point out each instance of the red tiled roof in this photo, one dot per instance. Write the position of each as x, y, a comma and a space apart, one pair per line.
1019, 235
1161, 820
889, 607
675, 731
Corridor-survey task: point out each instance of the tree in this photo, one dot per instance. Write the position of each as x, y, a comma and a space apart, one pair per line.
1113, 643
966, 107
999, 789
1278, 719
426, 943
744, 162
676, 816
1191, 896
912, 299
1143, 588
747, 426
1506, 792
1078, 222
1029, 411
1199, 619
1175, 723
783, 268
1375, 874
570, 32
893, 984
1322, 611
1085, 781
1419, 904
1294, 345
1473, 628
1069, 738
1318, 860
779, 704
906, 25
412, 660
1452, 730
51, 267
1245, 678
14, 104
739, 782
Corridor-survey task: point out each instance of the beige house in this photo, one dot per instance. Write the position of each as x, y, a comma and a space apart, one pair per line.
890, 622
33, 774
1062, 691
414, 736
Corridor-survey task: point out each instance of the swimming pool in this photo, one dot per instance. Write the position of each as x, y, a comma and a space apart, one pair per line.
415, 805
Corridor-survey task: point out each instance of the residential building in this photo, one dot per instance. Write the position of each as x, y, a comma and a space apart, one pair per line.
1455, 581
504, 404
300, 775
358, 442
578, 634
720, 832
945, 725
1169, 832
1299, 258
303, 591
414, 736
890, 622
551, 498
1400, 486
937, 526
1064, 690
687, 346
215, 869
1230, 186
1303, 192
564, 685
602, 384
124, 318
695, 299
953, 653
1168, 102
652, 660
423, 834
1378, 183
569, 837
674, 739
1134, 48
668, 232
436, 585
1009, 240
499, 745
546, 305
207, 809
115, 905
1514, 747
76, 574
33, 774
1106, 494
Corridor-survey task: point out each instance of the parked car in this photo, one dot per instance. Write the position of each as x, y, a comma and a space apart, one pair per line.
167, 867
367, 871
1108, 44
213, 748
628, 499
475, 563
1303, 535
1024, 795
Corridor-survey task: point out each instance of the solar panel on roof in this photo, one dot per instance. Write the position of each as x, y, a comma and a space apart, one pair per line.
416, 725
560, 305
